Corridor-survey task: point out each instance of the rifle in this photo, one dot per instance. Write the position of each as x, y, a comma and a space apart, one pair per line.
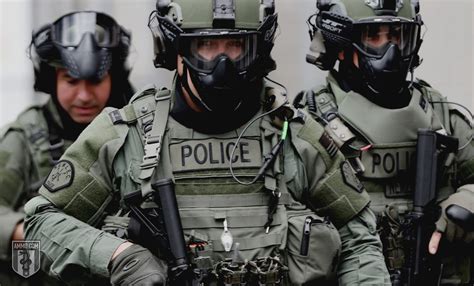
422, 267
165, 233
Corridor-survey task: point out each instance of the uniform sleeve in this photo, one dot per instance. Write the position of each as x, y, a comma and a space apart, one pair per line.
71, 200
362, 261
465, 157
14, 168
332, 189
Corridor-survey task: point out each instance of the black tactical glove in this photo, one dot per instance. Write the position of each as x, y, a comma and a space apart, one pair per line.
464, 197
137, 266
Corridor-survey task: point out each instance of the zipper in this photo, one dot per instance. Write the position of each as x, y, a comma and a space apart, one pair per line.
306, 234
308, 222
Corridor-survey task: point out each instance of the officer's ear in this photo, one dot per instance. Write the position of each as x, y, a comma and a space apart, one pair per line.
179, 65
340, 56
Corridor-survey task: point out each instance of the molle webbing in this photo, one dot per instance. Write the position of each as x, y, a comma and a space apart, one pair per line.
251, 243
230, 200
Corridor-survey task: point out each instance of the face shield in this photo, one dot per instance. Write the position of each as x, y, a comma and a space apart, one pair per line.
85, 41
204, 49
375, 38
69, 30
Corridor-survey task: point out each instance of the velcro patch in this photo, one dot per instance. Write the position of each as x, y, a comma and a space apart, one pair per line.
350, 177
212, 154
60, 177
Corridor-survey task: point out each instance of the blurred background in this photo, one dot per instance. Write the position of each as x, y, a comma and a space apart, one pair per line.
447, 51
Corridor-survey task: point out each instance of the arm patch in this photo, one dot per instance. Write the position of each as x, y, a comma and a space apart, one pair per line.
349, 177
60, 177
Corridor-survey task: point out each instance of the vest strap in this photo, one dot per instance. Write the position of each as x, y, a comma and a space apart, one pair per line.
153, 139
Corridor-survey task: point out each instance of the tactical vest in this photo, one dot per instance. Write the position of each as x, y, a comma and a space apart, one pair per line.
382, 154
45, 146
262, 218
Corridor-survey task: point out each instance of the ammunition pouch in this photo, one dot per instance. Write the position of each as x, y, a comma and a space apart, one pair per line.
267, 271
390, 231
313, 248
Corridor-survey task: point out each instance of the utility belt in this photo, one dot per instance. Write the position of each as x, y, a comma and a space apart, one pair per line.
299, 246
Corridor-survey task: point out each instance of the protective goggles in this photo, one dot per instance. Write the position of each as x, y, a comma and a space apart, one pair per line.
203, 49
68, 30
373, 39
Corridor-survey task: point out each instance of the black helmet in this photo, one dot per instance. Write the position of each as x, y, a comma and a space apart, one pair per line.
87, 44
385, 35
181, 27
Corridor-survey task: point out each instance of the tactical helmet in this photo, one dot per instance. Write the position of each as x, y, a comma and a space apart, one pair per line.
385, 35
181, 27
87, 44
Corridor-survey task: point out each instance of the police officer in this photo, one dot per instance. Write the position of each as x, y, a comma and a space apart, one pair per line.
242, 160
373, 113
80, 63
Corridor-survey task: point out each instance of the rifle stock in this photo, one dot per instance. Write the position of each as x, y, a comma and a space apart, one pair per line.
160, 230
424, 268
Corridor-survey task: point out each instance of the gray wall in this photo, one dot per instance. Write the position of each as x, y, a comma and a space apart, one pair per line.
447, 50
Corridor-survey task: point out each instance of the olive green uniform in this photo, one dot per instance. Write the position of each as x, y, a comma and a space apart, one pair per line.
85, 192
386, 167
27, 151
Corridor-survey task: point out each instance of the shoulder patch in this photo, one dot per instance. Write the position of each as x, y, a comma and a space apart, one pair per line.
60, 177
350, 177
329, 144
116, 117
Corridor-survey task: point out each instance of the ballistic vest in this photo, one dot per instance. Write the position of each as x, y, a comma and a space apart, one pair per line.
381, 142
262, 218
39, 126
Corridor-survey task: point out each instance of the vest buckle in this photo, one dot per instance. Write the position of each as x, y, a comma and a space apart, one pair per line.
152, 150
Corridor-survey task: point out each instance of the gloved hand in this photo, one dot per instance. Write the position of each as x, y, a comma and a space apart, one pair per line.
137, 266
464, 197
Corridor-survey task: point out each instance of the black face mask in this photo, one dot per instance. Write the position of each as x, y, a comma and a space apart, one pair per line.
221, 91
382, 81
87, 60
216, 122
